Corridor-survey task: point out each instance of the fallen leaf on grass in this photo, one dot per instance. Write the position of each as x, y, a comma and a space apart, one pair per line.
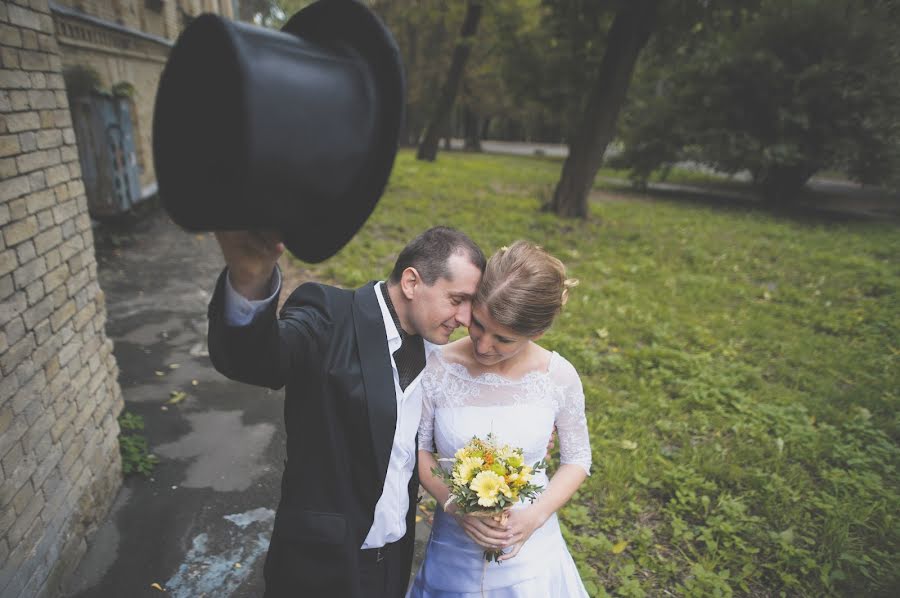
177, 397
619, 546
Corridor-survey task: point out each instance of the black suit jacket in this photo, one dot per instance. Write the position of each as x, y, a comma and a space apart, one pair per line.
329, 348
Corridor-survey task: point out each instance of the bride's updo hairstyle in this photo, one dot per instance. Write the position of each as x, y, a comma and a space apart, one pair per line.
523, 288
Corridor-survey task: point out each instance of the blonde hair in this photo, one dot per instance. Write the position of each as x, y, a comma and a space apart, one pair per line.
524, 288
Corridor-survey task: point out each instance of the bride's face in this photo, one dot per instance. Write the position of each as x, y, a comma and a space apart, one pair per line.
491, 342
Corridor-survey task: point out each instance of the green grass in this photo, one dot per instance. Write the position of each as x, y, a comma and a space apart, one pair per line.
740, 370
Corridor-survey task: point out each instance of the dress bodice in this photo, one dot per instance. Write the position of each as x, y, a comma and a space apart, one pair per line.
521, 413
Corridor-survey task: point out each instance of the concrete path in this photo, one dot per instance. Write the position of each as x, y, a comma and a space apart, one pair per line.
200, 525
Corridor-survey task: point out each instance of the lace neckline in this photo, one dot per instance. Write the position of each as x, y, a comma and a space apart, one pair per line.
461, 371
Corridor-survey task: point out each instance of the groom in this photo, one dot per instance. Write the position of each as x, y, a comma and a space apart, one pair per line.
350, 362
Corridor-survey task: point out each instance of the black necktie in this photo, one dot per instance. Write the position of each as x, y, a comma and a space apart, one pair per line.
410, 357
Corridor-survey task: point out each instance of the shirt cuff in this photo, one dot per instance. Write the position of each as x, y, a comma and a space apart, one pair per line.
240, 311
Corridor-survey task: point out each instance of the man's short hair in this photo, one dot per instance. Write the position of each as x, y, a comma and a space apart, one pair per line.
429, 253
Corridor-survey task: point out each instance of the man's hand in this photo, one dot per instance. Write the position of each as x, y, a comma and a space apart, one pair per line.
251, 257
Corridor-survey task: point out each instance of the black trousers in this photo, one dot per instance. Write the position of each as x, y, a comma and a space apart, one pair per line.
384, 572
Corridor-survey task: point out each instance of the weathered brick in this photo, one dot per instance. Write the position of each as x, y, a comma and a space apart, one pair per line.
16, 353
42, 99
9, 58
28, 141
84, 316
14, 330
77, 281
42, 332
60, 317
18, 100
38, 312
6, 417
52, 257
69, 136
12, 307
46, 118
6, 288
37, 180
9, 145
14, 79
52, 368
40, 159
8, 261
47, 240
23, 17
18, 208
29, 40
20, 230
38, 80
47, 464
45, 221
14, 187
10, 36
36, 432
25, 274
58, 174
25, 251
46, 352
56, 277
26, 518
8, 168
49, 138
35, 291
68, 153
32, 60
55, 80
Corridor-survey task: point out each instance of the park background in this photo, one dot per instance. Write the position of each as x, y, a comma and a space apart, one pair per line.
720, 176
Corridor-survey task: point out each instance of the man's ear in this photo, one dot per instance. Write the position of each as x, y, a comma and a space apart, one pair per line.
409, 280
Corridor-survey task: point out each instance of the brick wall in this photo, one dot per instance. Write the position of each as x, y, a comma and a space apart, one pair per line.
59, 459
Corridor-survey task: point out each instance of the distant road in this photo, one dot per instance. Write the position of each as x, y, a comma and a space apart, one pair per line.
833, 193
558, 150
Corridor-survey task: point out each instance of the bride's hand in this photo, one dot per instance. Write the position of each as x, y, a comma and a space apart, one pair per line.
522, 523
487, 533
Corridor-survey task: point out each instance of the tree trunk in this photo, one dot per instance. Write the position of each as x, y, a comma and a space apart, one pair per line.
628, 35
472, 130
439, 120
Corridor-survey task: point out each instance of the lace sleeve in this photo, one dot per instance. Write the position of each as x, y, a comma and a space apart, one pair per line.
571, 423
430, 387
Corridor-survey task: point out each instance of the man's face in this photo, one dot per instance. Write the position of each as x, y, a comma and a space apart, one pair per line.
437, 310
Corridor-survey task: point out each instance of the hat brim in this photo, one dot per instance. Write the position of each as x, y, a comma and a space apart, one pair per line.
314, 238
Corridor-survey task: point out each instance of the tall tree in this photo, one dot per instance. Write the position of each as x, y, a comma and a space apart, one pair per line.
631, 28
439, 120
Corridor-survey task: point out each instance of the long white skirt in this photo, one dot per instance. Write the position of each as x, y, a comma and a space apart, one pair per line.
454, 566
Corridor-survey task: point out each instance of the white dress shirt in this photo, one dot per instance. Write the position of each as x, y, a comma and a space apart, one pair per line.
390, 510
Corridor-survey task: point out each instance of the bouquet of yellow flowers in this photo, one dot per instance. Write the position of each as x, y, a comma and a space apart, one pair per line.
486, 480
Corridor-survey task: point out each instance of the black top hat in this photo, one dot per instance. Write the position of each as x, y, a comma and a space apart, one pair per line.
294, 131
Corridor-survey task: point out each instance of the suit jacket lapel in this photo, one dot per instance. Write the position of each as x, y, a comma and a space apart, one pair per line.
378, 378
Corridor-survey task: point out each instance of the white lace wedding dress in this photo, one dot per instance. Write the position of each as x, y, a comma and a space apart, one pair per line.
521, 413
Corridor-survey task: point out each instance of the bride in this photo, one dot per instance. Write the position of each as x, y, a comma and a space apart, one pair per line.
499, 380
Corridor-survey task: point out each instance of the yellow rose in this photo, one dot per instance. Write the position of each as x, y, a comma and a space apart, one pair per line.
488, 485
465, 469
